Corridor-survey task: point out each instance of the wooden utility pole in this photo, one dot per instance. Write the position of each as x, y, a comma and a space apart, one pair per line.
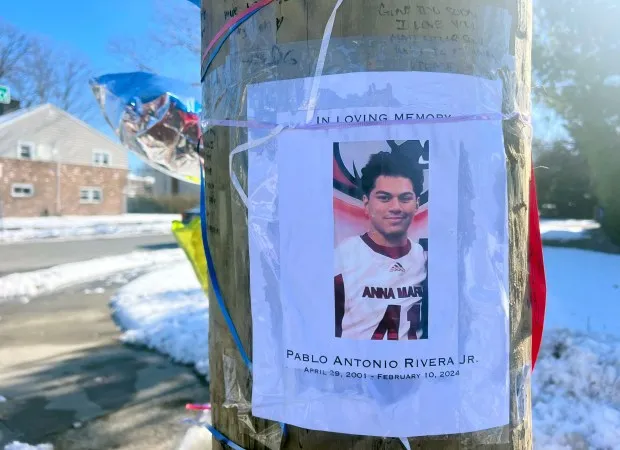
282, 42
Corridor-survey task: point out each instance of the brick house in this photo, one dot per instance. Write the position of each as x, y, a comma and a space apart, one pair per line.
51, 163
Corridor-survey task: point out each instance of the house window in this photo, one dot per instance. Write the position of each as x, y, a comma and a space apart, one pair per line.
91, 195
101, 158
22, 190
25, 150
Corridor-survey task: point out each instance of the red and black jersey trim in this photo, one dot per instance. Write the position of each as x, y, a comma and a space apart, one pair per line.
390, 252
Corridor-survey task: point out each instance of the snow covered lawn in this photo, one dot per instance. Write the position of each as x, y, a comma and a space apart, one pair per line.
576, 382
21, 446
17, 229
583, 290
576, 392
23, 286
566, 230
166, 310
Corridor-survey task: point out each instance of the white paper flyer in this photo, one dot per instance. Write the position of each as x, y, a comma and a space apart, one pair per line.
379, 255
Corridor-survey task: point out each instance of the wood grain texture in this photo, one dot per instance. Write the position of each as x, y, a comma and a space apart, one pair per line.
363, 39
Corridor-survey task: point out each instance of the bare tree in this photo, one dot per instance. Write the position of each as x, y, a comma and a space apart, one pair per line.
173, 36
71, 77
180, 30
39, 73
13, 45
127, 50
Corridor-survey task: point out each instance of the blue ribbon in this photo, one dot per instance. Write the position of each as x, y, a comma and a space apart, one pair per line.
223, 439
212, 276
210, 265
220, 300
217, 49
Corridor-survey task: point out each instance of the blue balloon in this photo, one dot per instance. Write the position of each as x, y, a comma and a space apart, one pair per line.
148, 86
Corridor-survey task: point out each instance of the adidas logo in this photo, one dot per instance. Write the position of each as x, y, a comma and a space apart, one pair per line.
398, 267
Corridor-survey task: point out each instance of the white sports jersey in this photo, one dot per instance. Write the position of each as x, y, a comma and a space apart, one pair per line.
379, 290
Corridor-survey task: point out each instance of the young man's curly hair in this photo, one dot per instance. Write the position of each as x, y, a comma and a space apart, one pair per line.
391, 164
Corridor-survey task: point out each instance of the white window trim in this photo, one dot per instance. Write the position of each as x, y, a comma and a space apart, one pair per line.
102, 152
91, 200
30, 144
22, 185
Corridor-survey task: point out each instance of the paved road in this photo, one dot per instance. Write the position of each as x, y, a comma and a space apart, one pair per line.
61, 363
23, 257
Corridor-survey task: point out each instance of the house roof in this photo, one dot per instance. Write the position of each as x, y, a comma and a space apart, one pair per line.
20, 114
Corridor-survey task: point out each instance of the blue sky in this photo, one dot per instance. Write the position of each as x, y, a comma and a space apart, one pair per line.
81, 25
86, 27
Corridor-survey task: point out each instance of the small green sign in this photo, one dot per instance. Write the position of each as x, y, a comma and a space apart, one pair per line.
5, 95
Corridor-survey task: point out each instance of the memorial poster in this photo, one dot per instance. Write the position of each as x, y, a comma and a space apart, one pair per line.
379, 254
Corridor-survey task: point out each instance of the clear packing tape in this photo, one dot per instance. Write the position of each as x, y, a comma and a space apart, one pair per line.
268, 74
270, 435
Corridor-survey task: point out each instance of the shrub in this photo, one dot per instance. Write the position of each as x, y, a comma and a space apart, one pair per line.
170, 204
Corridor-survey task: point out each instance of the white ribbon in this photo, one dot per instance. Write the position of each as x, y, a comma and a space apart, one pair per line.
318, 72
312, 101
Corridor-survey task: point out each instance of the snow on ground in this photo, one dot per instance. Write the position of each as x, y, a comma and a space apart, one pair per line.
17, 229
166, 310
22, 286
576, 392
576, 382
583, 290
15, 445
82, 221
566, 230
97, 290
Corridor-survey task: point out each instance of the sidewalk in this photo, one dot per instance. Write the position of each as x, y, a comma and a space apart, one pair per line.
62, 366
